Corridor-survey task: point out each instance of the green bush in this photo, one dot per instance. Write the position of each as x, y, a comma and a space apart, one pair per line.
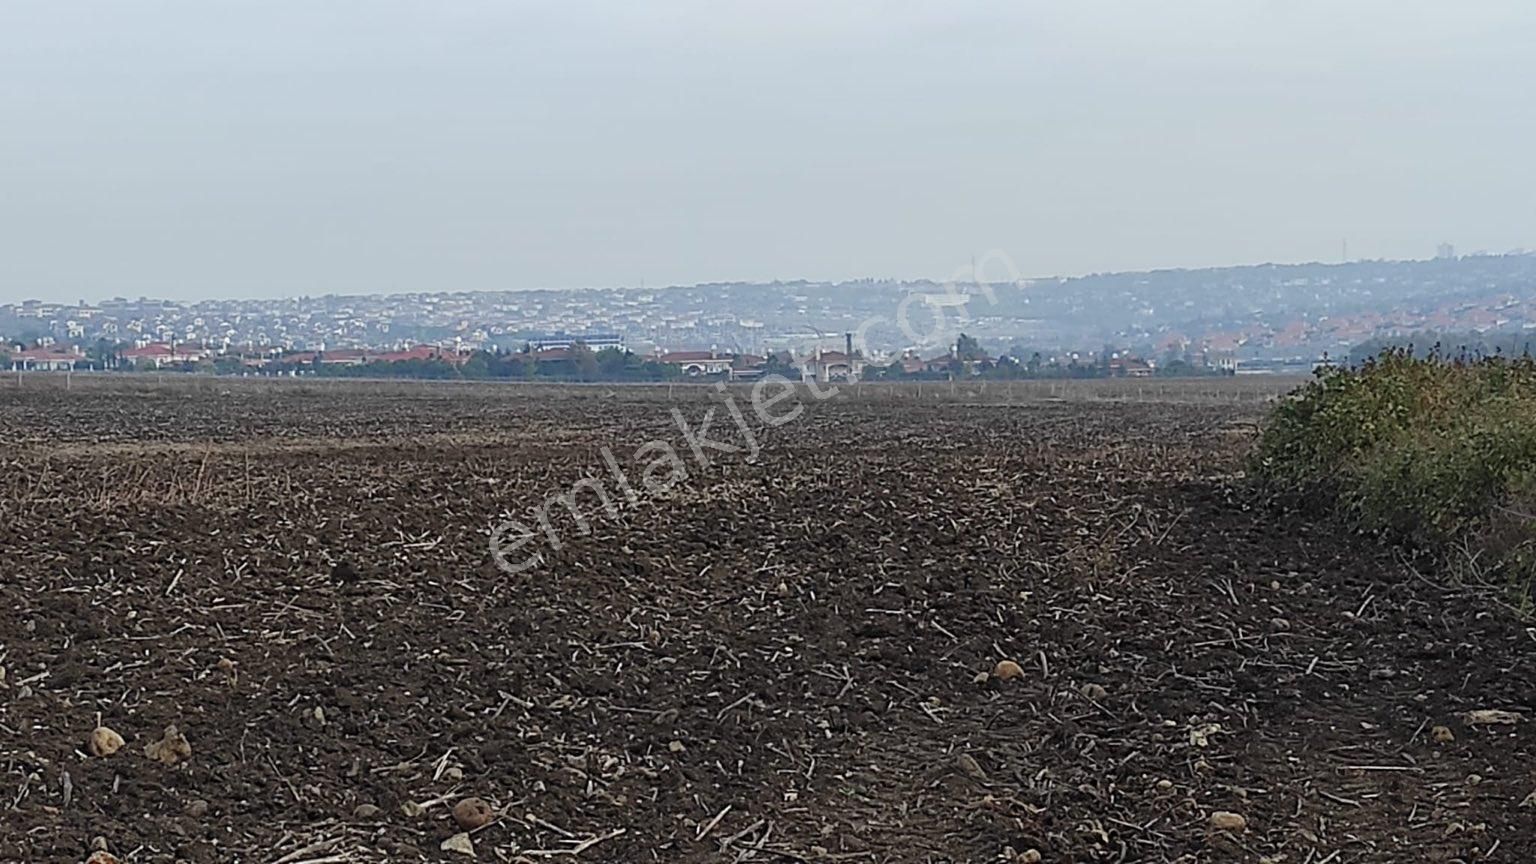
1435, 453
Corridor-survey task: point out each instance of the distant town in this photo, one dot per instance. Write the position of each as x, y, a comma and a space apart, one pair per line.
1208, 321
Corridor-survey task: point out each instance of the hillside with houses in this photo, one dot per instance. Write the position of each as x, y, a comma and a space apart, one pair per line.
1186, 321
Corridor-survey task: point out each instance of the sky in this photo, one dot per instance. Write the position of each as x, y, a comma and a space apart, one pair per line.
273, 148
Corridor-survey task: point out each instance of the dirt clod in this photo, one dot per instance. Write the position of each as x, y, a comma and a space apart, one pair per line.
103, 741
971, 767
171, 748
1233, 823
1442, 735
1007, 670
472, 813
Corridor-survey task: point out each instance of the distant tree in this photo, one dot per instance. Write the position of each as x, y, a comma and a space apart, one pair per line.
777, 363
613, 363
477, 366
967, 347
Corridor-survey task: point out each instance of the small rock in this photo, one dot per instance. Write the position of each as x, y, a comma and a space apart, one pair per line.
1164, 785
472, 813
171, 748
1007, 669
1442, 735
365, 811
459, 843
1094, 692
103, 742
196, 809
971, 767
1200, 736
454, 774
1234, 823
981, 678
1029, 856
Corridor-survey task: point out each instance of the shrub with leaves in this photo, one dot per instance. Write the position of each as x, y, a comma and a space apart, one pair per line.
1428, 451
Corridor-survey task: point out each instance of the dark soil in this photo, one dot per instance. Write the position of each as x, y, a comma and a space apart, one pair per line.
778, 662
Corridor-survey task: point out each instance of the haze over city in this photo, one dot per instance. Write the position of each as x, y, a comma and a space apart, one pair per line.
189, 150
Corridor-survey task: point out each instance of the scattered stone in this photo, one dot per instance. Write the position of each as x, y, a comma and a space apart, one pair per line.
459, 843
981, 678
676, 747
1007, 669
1164, 785
454, 774
1492, 717
1442, 735
196, 809
171, 748
1095, 692
971, 767
365, 811
1200, 736
1030, 856
472, 813
104, 742
1233, 823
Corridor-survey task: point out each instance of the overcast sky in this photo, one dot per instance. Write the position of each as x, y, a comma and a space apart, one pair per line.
192, 148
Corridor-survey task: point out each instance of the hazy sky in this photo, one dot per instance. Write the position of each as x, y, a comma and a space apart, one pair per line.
193, 148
